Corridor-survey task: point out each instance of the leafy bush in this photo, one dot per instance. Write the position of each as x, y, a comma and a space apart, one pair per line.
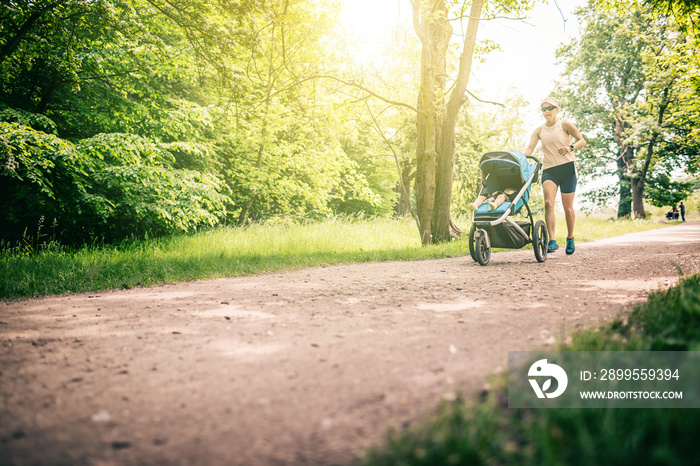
124, 149
24, 118
41, 177
108, 187
295, 179
157, 200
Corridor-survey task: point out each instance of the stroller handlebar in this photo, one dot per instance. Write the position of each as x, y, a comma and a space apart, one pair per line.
532, 157
538, 167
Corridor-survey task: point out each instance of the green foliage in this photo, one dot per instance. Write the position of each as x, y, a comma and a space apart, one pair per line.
192, 155
124, 149
139, 191
374, 161
296, 178
23, 118
144, 200
661, 191
103, 66
628, 83
110, 186
281, 155
146, 88
42, 177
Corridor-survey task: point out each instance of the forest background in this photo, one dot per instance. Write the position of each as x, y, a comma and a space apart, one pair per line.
127, 118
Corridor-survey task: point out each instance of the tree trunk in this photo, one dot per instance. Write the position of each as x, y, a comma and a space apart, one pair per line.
639, 181
638, 197
624, 158
403, 207
436, 120
624, 206
426, 125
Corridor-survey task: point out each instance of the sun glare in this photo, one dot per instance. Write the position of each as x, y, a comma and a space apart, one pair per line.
525, 63
369, 24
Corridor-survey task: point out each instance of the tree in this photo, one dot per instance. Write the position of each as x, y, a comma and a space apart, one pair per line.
605, 79
279, 145
624, 81
103, 66
439, 103
658, 122
437, 115
661, 191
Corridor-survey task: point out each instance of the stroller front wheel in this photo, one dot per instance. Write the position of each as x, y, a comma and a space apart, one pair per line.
472, 242
482, 247
539, 241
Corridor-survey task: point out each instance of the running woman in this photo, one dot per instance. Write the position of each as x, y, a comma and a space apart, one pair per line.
560, 140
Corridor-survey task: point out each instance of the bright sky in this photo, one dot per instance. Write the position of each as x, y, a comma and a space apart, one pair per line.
526, 60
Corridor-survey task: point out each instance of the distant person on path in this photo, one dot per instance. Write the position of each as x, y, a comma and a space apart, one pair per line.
682, 209
559, 165
675, 213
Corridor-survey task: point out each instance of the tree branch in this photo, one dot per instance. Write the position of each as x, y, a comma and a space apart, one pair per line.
485, 101
492, 18
347, 83
561, 13
417, 26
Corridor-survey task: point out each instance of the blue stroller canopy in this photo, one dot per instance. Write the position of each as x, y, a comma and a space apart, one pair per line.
502, 161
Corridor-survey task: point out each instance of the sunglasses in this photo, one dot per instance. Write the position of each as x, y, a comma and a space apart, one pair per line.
548, 109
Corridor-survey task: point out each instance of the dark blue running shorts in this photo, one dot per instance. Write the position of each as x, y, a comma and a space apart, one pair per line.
563, 175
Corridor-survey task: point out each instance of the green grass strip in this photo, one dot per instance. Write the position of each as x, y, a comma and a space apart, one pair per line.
229, 252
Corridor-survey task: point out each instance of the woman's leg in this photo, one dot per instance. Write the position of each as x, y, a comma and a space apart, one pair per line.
549, 189
567, 201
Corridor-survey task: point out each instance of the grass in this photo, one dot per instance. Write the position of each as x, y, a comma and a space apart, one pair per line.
228, 252
592, 227
485, 431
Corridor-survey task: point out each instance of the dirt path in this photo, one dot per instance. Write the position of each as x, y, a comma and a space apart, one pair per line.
303, 367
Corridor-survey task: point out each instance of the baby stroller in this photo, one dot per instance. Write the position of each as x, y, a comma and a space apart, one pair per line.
500, 171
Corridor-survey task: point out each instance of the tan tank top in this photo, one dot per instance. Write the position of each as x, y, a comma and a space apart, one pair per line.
553, 138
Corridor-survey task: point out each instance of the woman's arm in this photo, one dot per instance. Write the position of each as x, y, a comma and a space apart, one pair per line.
534, 139
572, 131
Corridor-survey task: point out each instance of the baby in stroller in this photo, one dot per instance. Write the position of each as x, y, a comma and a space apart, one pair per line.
494, 199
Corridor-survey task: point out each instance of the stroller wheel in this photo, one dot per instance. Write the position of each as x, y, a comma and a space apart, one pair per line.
539, 241
482, 247
472, 243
